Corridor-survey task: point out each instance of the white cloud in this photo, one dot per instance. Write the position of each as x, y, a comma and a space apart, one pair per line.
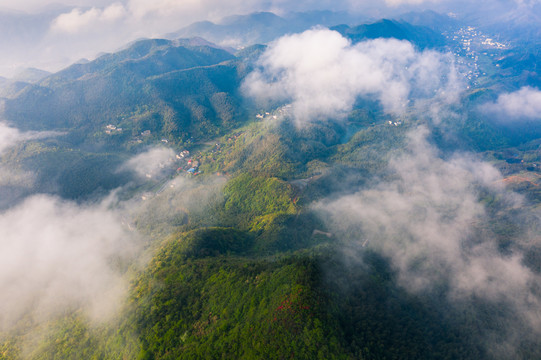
151, 163
38, 5
322, 74
522, 104
236, 5
15, 178
83, 32
15, 182
409, 2
56, 254
157, 15
141, 8
84, 28
10, 136
527, 3
431, 223
78, 20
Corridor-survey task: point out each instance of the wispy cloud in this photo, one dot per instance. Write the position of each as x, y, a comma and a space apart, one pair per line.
431, 221
152, 163
519, 105
10, 136
78, 20
410, 2
15, 181
55, 255
58, 255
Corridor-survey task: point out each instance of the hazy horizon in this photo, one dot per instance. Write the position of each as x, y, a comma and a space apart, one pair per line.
54, 34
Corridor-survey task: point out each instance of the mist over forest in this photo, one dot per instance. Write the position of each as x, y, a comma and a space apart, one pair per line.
318, 180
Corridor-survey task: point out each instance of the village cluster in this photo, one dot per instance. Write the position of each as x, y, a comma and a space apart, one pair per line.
265, 115
187, 164
281, 112
183, 163
472, 43
111, 129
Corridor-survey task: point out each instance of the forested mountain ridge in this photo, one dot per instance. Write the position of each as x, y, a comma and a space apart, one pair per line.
123, 85
421, 37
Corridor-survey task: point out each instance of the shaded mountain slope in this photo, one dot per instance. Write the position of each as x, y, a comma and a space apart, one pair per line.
422, 37
262, 27
127, 89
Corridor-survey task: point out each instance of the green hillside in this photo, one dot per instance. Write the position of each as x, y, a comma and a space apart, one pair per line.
144, 87
423, 37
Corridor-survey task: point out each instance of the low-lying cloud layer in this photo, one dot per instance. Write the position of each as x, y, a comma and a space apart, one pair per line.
177, 199
9, 136
432, 223
55, 255
322, 74
58, 255
152, 163
15, 181
523, 104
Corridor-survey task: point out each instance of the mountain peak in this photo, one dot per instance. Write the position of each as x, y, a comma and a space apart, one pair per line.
31, 75
422, 37
263, 16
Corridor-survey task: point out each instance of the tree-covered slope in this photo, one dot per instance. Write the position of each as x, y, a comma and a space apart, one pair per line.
421, 36
155, 85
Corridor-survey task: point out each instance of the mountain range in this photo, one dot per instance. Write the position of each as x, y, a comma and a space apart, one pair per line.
215, 224
259, 28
